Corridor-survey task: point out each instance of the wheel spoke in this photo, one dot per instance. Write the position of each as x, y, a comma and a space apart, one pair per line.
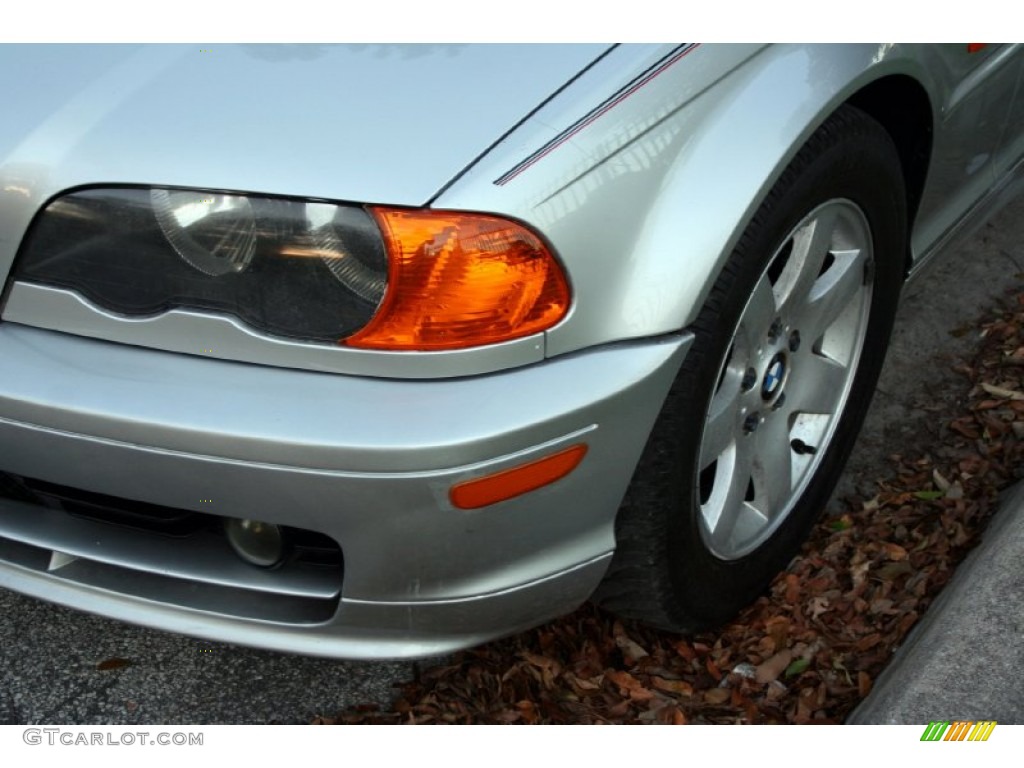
758, 315
811, 244
832, 293
720, 429
729, 509
772, 467
817, 386
742, 522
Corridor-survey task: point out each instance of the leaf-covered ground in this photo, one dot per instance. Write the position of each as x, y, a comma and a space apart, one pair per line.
807, 651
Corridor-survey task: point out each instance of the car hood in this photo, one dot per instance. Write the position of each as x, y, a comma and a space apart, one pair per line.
374, 123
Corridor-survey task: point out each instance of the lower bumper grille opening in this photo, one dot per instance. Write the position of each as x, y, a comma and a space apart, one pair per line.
162, 554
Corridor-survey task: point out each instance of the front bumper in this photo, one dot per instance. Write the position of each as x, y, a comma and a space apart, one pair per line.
367, 462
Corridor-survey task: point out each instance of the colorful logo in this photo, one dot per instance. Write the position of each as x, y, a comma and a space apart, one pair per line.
959, 730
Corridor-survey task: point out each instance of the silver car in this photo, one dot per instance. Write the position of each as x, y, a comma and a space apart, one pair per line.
381, 351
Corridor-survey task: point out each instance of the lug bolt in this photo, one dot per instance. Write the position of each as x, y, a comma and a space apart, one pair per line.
751, 423
775, 331
794, 341
749, 380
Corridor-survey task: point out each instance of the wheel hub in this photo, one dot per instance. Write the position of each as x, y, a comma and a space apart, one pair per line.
774, 377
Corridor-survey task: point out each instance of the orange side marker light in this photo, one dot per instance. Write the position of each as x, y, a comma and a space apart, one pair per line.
509, 483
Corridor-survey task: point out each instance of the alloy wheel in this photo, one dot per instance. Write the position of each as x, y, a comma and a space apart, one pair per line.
785, 379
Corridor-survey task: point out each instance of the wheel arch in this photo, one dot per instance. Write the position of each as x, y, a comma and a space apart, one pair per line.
676, 564
891, 87
901, 105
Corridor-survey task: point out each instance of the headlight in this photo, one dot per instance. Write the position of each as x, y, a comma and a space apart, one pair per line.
370, 277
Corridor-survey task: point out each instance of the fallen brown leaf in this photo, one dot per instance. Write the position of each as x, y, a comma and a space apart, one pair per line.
771, 669
717, 696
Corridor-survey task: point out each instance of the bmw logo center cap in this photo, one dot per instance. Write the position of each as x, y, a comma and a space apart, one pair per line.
773, 377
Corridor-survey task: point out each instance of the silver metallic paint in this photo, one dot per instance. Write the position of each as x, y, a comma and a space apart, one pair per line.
972, 96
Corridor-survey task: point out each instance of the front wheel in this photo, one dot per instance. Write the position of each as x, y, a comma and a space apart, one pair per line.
763, 414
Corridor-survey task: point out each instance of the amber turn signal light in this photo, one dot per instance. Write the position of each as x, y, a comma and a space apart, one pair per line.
459, 280
510, 483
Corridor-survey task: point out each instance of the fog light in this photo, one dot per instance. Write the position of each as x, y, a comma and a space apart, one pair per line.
255, 542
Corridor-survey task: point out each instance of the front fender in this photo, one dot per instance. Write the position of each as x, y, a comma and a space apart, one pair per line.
645, 199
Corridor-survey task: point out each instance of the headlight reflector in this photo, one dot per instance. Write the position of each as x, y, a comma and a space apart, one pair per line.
216, 234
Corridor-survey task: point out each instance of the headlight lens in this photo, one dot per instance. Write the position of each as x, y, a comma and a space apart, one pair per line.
375, 278
216, 234
341, 233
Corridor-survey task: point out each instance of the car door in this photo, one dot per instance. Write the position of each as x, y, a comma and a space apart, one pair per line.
1011, 147
973, 90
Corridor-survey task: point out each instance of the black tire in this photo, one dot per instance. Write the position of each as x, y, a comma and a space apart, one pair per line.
666, 571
